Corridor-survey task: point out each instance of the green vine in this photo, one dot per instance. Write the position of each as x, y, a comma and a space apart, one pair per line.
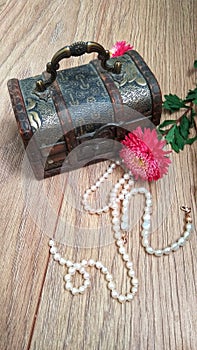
177, 132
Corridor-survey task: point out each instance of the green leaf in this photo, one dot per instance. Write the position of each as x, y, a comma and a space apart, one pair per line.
192, 115
178, 139
195, 101
195, 64
173, 103
192, 95
166, 123
184, 127
192, 140
175, 147
170, 135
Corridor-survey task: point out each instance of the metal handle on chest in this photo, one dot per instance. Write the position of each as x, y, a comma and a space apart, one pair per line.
77, 49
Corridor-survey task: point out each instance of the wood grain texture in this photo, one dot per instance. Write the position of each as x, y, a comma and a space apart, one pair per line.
36, 312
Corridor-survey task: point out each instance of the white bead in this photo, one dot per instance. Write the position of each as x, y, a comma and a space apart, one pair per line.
146, 225
110, 171
117, 235
131, 182
116, 228
147, 210
104, 270
134, 289
113, 165
125, 257
122, 250
71, 270
114, 206
145, 233
99, 265
158, 252
145, 242
82, 270
117, 186
105, 175
86, 195
146, 217
148, 202
108, 277
134, 281
87, 207
124, 210
142, 190
77, 266
124, 226
167, 250
115, 211
148, 195
131, 273
186, 234
57, 257
114, 294
188, 227
69, 263
69, 285
125, 216
121, 197
92, 211
86, 276
124, 191
125, 203
99, 211
98, 183
129, 296
88, 191
121, 181
126, 176
126, 187
129, 265
84, 263
53, 250
51, 243
87, 283
105, 208
111, 285
82, 289
121, 298
67, 278
181, 241
115, 221
150, 250
120, 243
117, 162
62, 261
174, 246
75, 291
101, 179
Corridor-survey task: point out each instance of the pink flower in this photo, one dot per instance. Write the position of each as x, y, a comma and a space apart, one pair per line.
143, 154
120, 48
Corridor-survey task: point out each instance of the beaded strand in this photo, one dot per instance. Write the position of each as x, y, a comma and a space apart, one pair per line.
118, 204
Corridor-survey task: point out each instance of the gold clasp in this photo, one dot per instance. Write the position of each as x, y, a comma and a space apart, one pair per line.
186, 209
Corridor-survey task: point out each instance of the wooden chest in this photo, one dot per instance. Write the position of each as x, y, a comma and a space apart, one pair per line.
67, 121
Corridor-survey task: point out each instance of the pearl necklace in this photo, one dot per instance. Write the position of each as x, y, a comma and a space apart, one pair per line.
118, 204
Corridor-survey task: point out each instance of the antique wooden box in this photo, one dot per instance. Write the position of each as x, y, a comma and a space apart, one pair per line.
65, 118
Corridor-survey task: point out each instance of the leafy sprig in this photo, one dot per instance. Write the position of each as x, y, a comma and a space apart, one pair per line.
177, 132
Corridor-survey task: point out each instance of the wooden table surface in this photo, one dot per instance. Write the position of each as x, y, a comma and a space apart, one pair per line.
36, 312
